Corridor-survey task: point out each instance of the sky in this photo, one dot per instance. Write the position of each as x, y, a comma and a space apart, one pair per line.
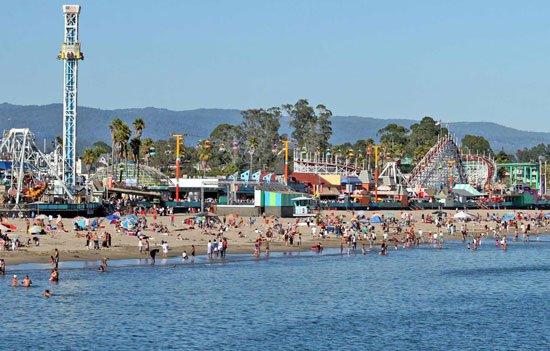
455, 61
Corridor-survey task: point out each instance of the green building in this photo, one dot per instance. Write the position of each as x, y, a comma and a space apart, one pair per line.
526, 174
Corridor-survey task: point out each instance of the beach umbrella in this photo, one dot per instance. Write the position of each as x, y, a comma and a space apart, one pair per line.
547, 216
112, 217
508, 217
80, 222
42, 216
376, 219
128, 222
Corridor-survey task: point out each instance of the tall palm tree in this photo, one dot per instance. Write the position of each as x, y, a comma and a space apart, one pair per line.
139, 126
146, 144
89, 157
135, 144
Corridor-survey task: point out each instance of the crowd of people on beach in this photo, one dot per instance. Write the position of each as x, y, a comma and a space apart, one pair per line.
354, 233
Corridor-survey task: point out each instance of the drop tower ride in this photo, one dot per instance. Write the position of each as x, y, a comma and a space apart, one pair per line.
70, 54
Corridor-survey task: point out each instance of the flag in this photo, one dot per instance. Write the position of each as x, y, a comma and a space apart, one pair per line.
245, 176
256, 176
267, 177
234, 176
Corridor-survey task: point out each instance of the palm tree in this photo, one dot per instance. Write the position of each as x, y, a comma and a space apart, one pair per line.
135, 144
146, 145
139, 126
121, 136
114, 127
89, 157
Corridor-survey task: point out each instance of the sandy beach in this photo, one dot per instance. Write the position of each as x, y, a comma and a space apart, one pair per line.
72, 245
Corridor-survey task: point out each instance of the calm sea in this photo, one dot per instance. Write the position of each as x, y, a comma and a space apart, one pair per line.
420, 299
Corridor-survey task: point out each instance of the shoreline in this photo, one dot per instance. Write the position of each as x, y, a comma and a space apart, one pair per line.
126, 254
180, 236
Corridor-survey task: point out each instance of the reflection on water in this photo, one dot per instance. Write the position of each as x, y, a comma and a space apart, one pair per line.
420, 299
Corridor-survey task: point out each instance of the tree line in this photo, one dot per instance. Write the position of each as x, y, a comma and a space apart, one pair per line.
256, 143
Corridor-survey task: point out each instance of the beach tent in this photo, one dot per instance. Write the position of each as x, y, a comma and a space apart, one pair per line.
463, 216
508, 217
376, 219
42, 216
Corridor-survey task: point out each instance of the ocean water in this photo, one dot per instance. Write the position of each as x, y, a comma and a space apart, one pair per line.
419, 299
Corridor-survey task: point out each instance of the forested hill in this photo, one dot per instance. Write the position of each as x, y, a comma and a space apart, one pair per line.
93, 125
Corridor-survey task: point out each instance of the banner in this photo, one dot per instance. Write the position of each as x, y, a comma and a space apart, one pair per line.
267, 177
256, 176
245, 176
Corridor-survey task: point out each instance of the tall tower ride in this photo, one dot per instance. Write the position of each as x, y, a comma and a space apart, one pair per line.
70, 54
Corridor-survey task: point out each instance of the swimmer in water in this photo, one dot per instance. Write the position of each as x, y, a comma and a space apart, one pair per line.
54, 276
383, 249
184, 256
47, 294
27, 282
14, 281
103, 265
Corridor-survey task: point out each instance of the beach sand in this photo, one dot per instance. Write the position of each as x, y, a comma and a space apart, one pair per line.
124, 246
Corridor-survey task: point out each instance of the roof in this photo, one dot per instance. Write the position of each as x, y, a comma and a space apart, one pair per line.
332, 179
309, 178
351, 180
466, 190
300, 198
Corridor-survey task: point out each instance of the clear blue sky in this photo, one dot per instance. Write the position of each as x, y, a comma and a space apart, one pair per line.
456, 61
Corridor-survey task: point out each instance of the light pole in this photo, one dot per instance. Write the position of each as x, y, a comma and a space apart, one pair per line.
179, 141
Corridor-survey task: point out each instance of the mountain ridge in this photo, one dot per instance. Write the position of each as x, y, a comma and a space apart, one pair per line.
162, 122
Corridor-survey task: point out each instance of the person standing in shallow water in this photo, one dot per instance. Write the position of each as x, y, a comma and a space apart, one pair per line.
56, 257
2, 267
193, 253
153, 254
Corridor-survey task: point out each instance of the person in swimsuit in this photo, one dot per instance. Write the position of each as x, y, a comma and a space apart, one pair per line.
54, 275
103, 265
47, 293
2, 267
14, 281
27, 282
193, 253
